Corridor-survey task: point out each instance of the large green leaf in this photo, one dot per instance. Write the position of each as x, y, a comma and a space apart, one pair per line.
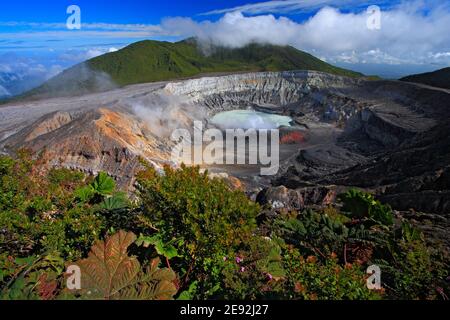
189, 294
166, 250
363, 205
103, 184
117, 201
109, 273
84, 194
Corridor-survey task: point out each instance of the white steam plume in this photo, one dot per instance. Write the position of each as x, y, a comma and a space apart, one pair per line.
164, 113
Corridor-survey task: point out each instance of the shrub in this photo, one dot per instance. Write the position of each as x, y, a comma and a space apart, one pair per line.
319, 234
255, 272
70, 233
102, 191
30, 278
311, 279
312, 233
363, 205
66, 177
38, 214
202, 217
415, 271
206, 233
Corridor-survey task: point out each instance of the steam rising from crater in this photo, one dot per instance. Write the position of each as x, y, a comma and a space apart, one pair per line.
164, 113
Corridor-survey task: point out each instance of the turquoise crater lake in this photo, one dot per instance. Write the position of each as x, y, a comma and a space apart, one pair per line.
249, 119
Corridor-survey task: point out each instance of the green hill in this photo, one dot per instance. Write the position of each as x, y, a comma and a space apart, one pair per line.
439, 78
149, 61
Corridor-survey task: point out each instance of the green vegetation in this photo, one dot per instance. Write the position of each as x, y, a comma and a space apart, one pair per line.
110, 273
185, 236
439, 78
201, 218
364, 206
150, 61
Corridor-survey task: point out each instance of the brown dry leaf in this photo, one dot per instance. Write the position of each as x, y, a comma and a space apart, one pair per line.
46, 290
109, 273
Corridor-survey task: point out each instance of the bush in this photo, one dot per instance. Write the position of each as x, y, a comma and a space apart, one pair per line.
38, 214
313, 232
30, 278
71, 233
206, 233
311, 279
320, 234
363, 205
41, 224
203, 219
255, 272
269, 269
66, 177
415, 271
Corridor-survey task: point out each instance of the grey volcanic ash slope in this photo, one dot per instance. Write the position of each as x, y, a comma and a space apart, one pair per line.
386, 136
439, 78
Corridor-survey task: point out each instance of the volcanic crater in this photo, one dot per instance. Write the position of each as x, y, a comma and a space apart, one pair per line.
388, 137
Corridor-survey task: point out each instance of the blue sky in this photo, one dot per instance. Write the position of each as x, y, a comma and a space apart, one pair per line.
33, 24
110, 11
138, 11
413, 35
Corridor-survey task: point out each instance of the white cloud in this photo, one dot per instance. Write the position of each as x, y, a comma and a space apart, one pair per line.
3, 92
92, 53
235, 30
43, 30
5, 68
95, 52
292, 6
407, 35
84, 26
19, 74
54, 70
76, 56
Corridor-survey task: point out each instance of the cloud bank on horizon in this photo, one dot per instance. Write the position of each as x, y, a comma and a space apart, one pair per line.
406, 36
413, 35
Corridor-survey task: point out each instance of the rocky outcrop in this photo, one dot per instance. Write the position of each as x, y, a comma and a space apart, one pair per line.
282, 198
265, 88
101, 140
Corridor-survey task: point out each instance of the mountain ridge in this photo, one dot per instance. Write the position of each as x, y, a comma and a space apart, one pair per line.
439, 78
153, 61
